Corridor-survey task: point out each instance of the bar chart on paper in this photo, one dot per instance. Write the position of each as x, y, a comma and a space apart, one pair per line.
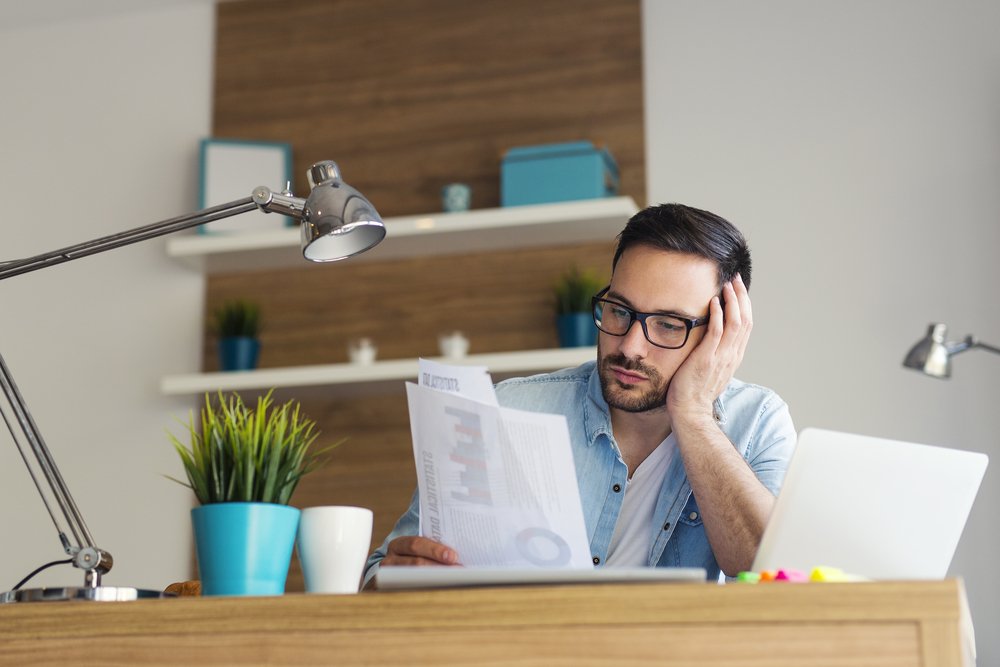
469, 457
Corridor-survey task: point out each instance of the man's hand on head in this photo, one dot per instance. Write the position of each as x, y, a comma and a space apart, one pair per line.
705, 373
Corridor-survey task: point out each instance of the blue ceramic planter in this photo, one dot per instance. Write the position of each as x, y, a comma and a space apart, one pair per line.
238, 353
244, 548
576, 329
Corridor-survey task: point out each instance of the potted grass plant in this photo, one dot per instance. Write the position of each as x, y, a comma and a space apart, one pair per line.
574, 318
237, 324
243, 464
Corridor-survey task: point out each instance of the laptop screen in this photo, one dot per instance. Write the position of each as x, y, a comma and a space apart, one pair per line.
876, 508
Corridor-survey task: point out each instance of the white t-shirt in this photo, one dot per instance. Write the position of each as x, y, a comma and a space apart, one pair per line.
632, 538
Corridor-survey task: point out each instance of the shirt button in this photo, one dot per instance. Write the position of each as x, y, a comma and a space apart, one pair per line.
693, 516
617, 487
597, 560
666, 526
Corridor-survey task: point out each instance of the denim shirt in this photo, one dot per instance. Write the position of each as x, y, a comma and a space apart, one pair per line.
754, 418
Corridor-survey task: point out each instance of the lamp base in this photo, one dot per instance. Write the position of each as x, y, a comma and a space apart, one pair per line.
98, 594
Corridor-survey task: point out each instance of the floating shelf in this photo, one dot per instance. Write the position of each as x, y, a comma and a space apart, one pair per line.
423, 235
370, 376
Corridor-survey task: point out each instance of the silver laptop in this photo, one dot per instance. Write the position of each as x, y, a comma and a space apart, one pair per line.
875, 508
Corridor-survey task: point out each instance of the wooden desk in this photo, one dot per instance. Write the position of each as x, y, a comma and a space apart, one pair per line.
882, 624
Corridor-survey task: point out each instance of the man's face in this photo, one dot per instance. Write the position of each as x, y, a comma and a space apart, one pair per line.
634, 373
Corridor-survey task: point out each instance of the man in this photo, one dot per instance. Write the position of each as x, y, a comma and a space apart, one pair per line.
678, 463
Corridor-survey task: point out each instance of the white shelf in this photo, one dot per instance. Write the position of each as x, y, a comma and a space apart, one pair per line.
380, 373
423, 235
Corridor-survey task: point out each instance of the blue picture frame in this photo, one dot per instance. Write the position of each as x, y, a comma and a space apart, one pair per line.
231, 168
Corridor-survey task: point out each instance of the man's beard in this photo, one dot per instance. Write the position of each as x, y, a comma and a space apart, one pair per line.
619, 397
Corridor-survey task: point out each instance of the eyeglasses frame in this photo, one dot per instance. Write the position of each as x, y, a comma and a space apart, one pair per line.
636, 316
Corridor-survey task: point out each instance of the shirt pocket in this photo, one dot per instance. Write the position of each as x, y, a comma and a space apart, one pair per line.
691, 515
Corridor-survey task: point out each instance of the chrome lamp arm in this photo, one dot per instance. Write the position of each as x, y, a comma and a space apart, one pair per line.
336, 222
983, 346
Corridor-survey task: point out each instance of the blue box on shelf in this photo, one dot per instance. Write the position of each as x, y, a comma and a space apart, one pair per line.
557, 172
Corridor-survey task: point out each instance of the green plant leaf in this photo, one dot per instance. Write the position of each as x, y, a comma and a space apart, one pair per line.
237, 453
574, 290
237, 317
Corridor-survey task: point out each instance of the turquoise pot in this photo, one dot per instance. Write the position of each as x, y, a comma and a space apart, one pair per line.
576, 329
244, 548
238, 353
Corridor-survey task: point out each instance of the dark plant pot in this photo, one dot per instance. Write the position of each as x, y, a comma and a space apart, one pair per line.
244, 548
576, 330
238, 353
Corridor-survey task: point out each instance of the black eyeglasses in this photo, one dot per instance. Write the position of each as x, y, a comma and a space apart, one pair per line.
661, 329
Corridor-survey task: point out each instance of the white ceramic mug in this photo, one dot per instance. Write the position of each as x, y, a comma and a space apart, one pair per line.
333, 546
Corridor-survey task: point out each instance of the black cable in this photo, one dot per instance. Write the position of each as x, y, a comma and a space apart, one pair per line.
37, 570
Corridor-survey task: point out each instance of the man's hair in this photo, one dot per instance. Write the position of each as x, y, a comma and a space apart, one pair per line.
679, 228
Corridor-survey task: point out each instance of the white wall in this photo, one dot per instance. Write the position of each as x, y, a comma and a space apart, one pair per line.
100, 123
858, 147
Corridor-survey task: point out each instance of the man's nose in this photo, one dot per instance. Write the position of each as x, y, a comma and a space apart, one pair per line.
634, 343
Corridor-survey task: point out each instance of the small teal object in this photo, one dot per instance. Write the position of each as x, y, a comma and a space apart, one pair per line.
576, 329
244, 548
456, 197
238, 353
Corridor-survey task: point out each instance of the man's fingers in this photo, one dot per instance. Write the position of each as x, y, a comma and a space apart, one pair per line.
414, 550
734, 320
746, 315
408, 561
744, 298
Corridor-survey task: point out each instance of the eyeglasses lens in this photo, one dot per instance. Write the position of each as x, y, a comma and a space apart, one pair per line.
662, 330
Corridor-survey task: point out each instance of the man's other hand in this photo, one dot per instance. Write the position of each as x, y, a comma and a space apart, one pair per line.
413, 550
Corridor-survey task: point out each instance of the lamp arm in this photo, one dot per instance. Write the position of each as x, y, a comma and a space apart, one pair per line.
86, 555
985, 346
84, 551
955, 347
104, 243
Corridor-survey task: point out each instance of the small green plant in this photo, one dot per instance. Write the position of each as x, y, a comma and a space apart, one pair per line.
244, 454
574, 290
237, 318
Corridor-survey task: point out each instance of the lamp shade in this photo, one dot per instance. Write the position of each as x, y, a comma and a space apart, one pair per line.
337, 220
931, 354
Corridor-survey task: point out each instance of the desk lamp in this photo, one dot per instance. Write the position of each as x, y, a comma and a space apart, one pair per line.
336, 222
932, 354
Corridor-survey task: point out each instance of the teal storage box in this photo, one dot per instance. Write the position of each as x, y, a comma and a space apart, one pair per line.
557, 172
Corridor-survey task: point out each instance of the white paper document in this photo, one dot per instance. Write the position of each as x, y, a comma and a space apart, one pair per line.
470, 381
497, 485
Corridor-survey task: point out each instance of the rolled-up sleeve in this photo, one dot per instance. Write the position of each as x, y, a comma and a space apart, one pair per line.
772, 443
408, 524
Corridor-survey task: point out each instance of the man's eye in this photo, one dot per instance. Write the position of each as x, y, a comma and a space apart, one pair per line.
618, 312
669, 326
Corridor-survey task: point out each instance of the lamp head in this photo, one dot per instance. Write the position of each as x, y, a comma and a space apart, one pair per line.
337, 220
931, 355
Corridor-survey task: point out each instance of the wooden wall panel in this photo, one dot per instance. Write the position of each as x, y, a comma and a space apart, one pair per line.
408, 95
502, 301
